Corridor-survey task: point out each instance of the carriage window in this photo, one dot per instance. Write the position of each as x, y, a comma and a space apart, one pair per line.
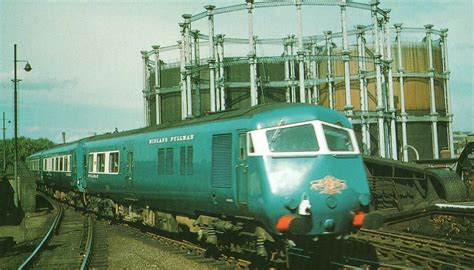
61, 164
338, 139
67, 163
169, 161
44, 165
161, 161
243, 146
100, 162
56, 164
90, 163
292, 139
114, 162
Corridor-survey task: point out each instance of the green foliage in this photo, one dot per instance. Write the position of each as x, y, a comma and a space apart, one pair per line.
26, 147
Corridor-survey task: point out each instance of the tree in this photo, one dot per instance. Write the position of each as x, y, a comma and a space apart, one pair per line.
26, 147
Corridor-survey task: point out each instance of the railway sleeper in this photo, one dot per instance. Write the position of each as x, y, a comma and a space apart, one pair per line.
217, 234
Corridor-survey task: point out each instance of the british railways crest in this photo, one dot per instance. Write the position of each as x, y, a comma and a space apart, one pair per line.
328, 185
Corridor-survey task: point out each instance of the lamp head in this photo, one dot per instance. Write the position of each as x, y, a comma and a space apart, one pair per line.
28, 67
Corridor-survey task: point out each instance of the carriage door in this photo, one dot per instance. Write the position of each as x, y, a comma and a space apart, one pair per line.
242, 171
78, 163
129, 167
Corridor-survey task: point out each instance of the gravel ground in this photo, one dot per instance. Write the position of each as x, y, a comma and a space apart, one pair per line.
128, 252
27, 235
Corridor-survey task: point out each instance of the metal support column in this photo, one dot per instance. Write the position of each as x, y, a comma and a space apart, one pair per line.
156, 49
401, 71
378, 74
314, 72
145, 90
363, 90
287, 69
196, 77
300, 51
182, 46
433, 113
391, 101
252, 56
447, 93
217, 73
188, 62
330, 79
220, 53
292, 69
348, 108
211, 61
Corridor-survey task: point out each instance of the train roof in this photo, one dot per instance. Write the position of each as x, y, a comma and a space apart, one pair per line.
224, 115
249, 112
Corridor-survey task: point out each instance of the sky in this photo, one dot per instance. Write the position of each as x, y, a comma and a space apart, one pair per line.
87, 72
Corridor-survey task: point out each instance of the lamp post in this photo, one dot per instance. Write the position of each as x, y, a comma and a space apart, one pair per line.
15, 104
4, 167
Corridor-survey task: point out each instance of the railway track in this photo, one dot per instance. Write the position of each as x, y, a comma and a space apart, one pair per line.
389, 249
184, 248
68, 243
419, 251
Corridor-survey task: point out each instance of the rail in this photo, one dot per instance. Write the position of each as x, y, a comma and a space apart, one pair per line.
54, 226
89, 244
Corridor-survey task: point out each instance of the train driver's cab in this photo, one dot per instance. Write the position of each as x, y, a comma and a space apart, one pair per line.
309, 138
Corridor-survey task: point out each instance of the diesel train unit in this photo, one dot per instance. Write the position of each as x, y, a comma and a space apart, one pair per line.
257, 180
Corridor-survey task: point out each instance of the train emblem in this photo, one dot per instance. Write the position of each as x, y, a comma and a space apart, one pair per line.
329, 185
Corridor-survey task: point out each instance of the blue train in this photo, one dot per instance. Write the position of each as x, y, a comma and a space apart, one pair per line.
255, 179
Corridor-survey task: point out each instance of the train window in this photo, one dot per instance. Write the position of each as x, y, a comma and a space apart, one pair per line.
251, 148
66, 163
169, 161
44, 165
292, 139
61, 164
182, 160
338, 139
243, 146
100, 162
114, 162
90, 163
189, 160
56, 164
161, 161
69, 163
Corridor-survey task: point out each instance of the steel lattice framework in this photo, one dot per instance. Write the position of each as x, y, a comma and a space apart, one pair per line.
371, 77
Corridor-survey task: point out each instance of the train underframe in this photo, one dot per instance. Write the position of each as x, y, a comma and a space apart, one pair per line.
230, 236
